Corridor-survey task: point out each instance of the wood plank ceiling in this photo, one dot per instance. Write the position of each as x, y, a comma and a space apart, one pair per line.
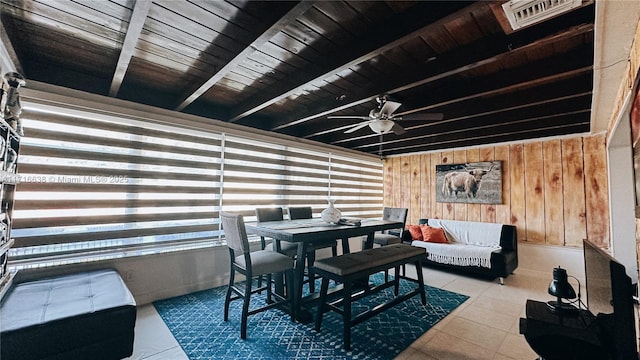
287, 66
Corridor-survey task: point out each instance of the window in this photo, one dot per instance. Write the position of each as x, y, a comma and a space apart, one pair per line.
95, 184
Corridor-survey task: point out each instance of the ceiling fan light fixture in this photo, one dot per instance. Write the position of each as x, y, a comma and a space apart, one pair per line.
381, 126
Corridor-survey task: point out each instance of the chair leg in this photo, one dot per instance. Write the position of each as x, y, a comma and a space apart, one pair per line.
245, 310
269, 293
263, 245
227, 299
324, 287
288, 278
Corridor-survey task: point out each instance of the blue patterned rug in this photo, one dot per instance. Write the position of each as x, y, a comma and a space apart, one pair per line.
195, 320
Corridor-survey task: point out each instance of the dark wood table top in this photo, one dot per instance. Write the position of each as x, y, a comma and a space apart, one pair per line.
310, 229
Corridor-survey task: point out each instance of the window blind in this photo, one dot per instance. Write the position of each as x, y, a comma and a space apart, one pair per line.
89, 184
257, 174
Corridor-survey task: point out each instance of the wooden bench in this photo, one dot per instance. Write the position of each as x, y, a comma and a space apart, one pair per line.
354, 268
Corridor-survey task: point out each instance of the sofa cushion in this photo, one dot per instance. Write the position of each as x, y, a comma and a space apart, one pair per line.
433, 234
415, 231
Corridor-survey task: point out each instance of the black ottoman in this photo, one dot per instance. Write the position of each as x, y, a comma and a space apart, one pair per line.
79, 316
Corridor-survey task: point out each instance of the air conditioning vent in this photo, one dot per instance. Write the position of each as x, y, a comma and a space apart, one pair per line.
523, 13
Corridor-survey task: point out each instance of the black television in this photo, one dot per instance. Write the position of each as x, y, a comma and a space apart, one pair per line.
610, 299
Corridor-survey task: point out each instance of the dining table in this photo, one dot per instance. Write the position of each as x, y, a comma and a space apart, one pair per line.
308, 232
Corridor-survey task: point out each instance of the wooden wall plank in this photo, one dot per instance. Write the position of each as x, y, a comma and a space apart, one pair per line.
596, 185
405, 182
415, 195
473, 210
553, 193
397, 186
447, 208
534, 192
460, 209
426, 189
517, 194
436, 207
487, 211
388, 182
575, 228
503, 211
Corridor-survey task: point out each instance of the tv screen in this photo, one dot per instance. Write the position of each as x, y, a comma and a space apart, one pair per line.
610, 297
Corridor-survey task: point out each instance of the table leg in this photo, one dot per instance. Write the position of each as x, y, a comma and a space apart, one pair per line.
345, 246
302, 315
369, 242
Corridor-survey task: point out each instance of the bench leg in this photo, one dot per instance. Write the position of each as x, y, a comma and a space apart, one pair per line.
324, 287
396, 281
423, 296
346, 316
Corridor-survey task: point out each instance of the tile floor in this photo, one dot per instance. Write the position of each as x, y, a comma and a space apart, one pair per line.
484, 327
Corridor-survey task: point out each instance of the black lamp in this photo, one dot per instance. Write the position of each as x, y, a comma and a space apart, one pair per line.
561, 289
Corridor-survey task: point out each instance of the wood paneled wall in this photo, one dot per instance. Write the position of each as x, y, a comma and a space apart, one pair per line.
555, 191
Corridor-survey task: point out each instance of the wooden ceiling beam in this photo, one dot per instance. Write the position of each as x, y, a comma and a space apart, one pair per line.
9, 61
476, 138
469, 54
371, 46
289, 17
138, 17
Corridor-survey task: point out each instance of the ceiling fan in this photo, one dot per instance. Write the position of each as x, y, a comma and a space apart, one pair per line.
382, 121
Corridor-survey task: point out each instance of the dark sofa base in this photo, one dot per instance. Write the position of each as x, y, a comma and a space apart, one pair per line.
502, 265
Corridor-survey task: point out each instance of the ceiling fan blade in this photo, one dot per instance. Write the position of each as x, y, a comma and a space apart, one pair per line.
388, 108
348, 117
397, 129
421, 116
358, 127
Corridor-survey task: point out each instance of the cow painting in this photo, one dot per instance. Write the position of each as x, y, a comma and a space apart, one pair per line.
469, 183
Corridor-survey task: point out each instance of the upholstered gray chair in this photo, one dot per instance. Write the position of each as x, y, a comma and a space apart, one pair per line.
251, 265
392, 236
306, 212
275, 214
300, 212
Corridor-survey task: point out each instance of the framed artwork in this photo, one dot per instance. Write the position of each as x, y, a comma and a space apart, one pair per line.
470, 183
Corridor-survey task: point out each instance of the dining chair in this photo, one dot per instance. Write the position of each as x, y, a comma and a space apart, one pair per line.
251, 265
392, 236
275, 214
306, 212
